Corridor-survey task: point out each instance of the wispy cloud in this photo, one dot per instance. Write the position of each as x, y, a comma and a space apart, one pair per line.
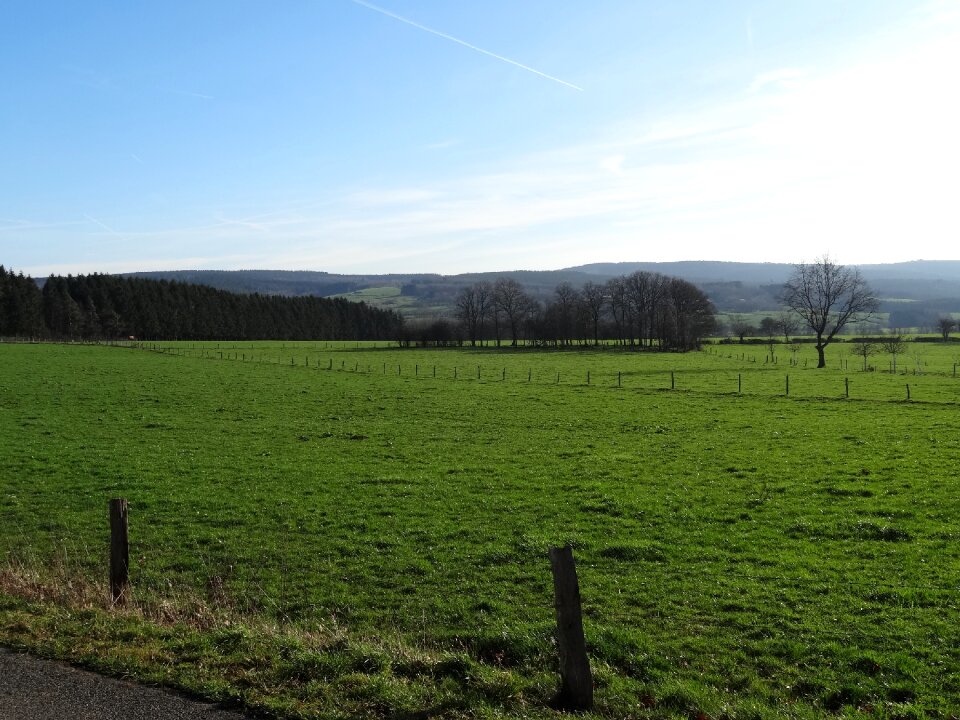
188, 93
464, 43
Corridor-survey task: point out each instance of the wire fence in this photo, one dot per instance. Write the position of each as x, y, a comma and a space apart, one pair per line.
767, 380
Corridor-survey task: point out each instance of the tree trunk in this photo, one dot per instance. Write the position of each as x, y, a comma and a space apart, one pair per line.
821, 360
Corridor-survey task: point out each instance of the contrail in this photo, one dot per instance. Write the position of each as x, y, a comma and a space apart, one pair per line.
417, 25
103, 225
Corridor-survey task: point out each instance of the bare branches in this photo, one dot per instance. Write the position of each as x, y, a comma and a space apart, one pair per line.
827, 297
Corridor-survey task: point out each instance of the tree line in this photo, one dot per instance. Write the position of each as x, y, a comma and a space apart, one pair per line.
109, 306
643, 309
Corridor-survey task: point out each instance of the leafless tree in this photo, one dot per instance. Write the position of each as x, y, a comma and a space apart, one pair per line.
689, 315
511, 299
788, 325
472, 306
864, 349
769, 328
646, 293
741, 327
945, 325
616, 292
567, 297
893, 344
827, 296
593, 299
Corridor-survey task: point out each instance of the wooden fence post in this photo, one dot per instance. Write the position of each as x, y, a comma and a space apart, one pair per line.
908, 391
739, 382
119, 550
672, 383
846, 386
576, 681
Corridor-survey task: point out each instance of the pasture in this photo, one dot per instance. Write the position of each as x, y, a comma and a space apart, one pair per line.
343, 530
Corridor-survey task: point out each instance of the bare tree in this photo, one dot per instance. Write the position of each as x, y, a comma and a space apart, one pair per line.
593, 299
688, 313
893, 344
769, 328
472, 306
567, 297
788, 325
510, 298
741, 327
945, 325
646, 293
616, 292
827, 296
864, 349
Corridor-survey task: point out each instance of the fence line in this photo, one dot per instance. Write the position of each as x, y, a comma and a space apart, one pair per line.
671, 379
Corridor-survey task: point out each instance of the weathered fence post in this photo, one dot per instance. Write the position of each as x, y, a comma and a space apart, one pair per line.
119, 550
846, 386
619, 377
788, 386
739, 383
908, 391
588, 377
576, 681
672, 382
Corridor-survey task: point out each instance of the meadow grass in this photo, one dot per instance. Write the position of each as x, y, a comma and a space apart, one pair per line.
330, 530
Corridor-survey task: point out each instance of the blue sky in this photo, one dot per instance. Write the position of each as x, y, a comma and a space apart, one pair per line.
454, 136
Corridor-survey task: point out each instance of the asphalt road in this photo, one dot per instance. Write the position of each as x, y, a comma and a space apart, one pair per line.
35, 689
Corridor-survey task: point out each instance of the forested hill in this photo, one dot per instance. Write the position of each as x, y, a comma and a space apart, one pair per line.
110, 306
920, 288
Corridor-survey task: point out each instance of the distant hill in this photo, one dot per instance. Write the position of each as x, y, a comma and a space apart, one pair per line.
914, 289
941, 271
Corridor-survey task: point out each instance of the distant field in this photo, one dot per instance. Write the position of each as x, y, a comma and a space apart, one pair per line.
344, 530
389, 297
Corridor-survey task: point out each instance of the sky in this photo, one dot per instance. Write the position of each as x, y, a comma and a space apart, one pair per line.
451, 136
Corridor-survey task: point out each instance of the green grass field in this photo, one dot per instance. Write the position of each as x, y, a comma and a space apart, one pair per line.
342, 530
